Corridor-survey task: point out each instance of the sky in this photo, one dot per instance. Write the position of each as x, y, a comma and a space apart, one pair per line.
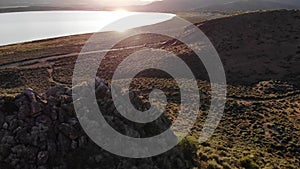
89, 2
123, 2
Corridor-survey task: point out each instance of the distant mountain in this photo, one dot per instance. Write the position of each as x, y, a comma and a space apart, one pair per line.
56, 3
249, 5
178, 5
222, 5
295, 3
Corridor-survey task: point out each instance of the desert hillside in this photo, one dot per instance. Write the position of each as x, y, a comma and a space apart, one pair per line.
258, 46
260, 127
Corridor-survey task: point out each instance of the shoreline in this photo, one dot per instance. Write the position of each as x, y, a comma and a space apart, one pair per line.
26, 8
49, 39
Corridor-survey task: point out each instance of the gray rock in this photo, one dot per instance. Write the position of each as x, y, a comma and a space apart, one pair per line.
5, 125
42, 157
4, 151
10, 140
69, 131
30, 99
44, 132
74, 145
42, 167
1, 118
56, 91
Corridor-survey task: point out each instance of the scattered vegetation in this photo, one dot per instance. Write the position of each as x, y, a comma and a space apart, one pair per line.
248, 163
189, 145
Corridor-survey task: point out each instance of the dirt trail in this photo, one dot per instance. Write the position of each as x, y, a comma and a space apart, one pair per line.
49, 62
50, 69
44, 61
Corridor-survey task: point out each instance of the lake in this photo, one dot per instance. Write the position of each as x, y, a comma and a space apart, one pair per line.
30, 26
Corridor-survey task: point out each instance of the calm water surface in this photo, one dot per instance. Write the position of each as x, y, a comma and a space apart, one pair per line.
29, 26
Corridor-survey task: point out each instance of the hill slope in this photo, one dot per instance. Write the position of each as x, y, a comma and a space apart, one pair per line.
258, 46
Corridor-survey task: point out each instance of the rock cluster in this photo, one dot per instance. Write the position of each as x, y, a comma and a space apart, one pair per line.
42, 131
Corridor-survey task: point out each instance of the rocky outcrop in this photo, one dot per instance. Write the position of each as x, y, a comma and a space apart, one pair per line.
42, 131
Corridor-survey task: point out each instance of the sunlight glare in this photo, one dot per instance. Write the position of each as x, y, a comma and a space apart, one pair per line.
122, 12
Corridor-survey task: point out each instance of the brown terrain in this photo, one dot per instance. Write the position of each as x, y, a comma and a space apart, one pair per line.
260, 127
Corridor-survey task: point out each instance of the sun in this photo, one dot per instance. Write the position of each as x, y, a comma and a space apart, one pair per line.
150, 0
121, 11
